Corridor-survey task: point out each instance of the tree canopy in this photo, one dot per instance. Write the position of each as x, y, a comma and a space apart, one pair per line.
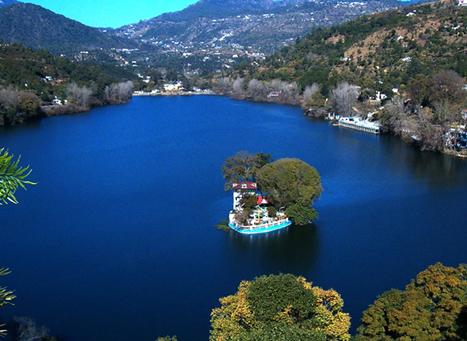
243, 166
432, 307
291, 184
280, 307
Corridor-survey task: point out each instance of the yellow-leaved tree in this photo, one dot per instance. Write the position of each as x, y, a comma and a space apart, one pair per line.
280, 307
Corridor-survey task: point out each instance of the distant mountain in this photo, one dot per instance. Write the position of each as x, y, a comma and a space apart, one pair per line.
226, 8
7, 2
265, 24
37, 27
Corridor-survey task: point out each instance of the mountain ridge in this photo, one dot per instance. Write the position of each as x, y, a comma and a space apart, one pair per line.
37, 27
266, 24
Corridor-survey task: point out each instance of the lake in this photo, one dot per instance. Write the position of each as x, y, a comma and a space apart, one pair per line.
117, 240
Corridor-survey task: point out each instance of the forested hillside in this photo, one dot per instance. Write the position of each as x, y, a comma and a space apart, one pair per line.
416, 56
34, 81
37, 27
391, 47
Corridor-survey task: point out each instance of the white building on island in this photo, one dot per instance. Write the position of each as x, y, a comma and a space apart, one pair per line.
239, 190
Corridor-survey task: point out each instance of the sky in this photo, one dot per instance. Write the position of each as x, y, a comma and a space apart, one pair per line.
111, 13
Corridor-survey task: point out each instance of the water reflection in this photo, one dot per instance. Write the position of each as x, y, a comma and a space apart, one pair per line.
289, 250
439, 169
442, 170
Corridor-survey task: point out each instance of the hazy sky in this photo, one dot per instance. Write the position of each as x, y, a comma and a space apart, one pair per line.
111, 13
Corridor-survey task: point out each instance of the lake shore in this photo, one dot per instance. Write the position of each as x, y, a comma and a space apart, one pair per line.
173, 93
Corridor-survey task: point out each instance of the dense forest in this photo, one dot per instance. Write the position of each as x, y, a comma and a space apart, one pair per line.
36, 83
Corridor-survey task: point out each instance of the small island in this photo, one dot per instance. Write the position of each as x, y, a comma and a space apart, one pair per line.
260, 219
267, 195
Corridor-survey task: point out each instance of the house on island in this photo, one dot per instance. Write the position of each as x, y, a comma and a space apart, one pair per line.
258, 221
239, 190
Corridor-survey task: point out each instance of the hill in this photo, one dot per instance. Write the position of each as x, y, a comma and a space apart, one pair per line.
264, 24
39, 28
414, 59
382, 51
34, 83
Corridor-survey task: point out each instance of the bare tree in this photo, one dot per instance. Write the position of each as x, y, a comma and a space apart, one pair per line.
257, 89
81, 96
238, 87
430, 136
10, 97
223, 85
310, 91
344, 98
110, 92
28, 330
125, 90
398, 116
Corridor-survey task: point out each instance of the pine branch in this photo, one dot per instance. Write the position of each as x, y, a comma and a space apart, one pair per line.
12, 176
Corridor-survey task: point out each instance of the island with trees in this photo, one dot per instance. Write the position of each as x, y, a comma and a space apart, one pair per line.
269, 195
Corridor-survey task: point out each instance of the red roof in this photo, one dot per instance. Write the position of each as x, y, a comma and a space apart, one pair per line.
262, 200
244, 185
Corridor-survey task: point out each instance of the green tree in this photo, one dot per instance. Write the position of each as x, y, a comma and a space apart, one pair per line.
280, 307
293, 185
432, 307
12, 176
6, 297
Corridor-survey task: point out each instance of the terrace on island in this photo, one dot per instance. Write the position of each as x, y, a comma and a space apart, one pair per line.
263, 217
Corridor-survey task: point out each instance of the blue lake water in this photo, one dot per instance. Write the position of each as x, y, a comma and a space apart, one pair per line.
117, 241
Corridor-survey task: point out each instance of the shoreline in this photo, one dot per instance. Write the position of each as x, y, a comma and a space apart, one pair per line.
171, 93
305, 111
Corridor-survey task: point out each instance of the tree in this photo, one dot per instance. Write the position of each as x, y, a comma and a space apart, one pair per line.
238, 88
243, 166
432, 307
309, 92
12, 176
280, 307
291, 184
81, 96
344, 97
6, 297
257, 89
118, 93
447, 85
27, 330
418, 89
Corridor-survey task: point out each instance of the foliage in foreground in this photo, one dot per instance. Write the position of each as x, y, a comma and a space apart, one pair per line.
432, 307
12, 176
6, 297
167, 338
280, 307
